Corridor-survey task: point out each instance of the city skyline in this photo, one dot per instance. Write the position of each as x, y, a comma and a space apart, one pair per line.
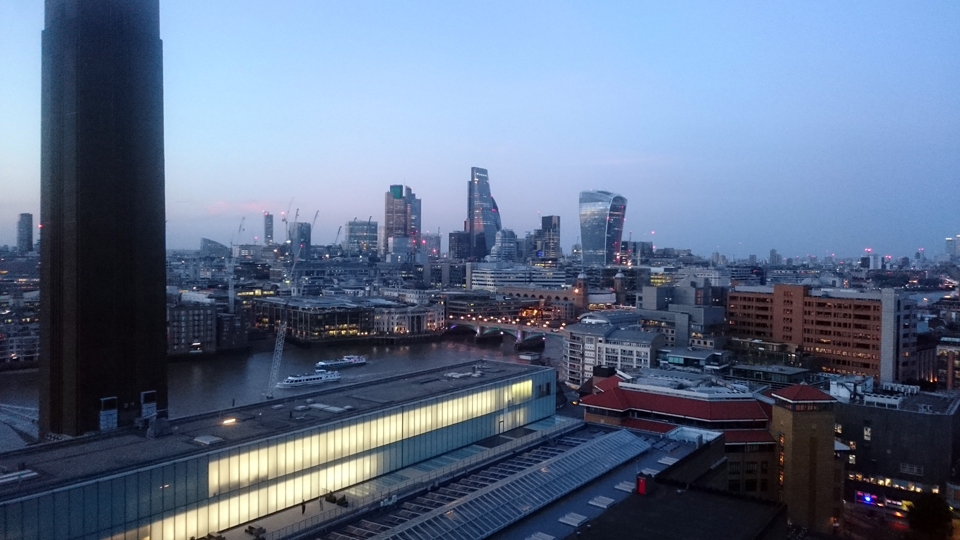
815, 129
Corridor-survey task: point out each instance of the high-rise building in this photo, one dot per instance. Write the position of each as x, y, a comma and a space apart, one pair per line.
483, 216
601, 226
775, 258
431, 244
505, 246
103, 309
25, 233
401, 215
212, 248
953, 246
361, 237
267, 228
547, 238
299, 235
459, 245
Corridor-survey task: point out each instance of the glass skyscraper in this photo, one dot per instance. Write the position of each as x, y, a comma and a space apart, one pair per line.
25, 233
401, 215
267, 228
601, 226
483, 216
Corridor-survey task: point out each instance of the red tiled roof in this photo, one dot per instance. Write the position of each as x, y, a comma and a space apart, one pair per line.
647, 425
802, 392
742, 436
767, 408
684, 407
607, 384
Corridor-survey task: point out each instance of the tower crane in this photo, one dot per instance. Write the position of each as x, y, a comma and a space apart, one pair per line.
282, 329
281, 337
231, 294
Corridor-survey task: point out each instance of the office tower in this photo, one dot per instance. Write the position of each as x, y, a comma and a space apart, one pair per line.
299, 235
267, 228
103, 308
459, 245
361, 237
401, 215
775, 258
25, 233
601, 226
953, 246
431, 244
212, 248
505, 246
483, 216
547, 238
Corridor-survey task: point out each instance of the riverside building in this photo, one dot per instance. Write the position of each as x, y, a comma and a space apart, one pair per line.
218, 471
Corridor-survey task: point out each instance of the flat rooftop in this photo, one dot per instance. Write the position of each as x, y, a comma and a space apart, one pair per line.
85, 458
698, 383
328, 302
925, 402
785, 370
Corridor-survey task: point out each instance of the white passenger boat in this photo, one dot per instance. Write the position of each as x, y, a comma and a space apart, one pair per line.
349, 360
321, 376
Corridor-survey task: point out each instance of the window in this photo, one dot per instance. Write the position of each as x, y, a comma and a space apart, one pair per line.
781, 458
751, 467
764, 484
838, 428
764, 467
750, 485
916, 470
867, 433
734, 468
734, 486
852, 459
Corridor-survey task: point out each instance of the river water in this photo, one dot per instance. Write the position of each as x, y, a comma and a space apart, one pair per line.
205, 384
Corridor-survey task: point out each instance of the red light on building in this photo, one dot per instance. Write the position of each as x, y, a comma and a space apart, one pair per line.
641, 485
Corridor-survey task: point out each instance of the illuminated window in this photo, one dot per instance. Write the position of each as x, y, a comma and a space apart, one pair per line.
867, 433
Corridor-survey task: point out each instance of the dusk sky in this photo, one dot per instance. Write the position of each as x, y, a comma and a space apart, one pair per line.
810, 127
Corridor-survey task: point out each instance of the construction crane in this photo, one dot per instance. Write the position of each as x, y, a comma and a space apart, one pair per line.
338, 235
282, 329
232, 294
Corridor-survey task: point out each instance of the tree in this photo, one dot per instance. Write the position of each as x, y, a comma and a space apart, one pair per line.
931, 516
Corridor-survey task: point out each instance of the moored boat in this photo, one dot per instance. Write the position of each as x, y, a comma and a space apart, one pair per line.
349, 360
319, 377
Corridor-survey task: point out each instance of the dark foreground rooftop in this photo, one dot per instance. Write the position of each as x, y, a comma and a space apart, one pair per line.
669, 512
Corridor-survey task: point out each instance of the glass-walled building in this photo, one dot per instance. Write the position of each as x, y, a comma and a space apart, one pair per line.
218, 471
360, 237
483, 216
601, 226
